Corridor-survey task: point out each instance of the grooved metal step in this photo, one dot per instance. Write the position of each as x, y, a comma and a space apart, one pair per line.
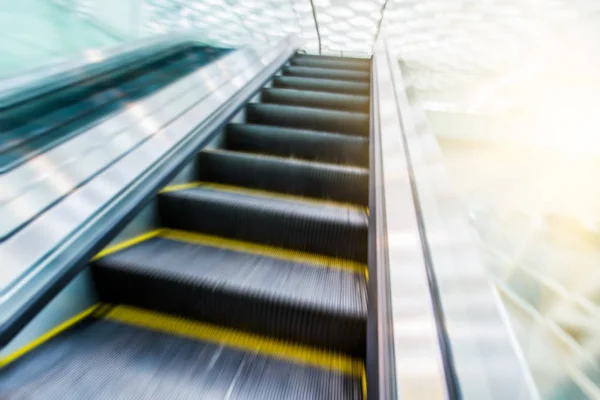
306, 98
298, 143
107, 360
330, 62
351, 123
321, 85
325, 73
284, 175
315, 305
330, 230
268, 253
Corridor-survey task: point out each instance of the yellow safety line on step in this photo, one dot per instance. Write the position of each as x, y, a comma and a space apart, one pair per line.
266, 346
180, 186
265, 193
127, 243
363, 382
240, 246
264, 250
48, 335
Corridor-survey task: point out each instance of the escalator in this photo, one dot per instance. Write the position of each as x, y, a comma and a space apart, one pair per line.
35, 127
253, 283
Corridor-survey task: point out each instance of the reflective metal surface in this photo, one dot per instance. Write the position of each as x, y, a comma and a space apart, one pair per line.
29, 189
109, 169
488, 362
30, 83
418, 363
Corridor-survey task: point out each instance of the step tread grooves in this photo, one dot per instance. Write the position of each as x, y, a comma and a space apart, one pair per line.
313, 99
325, 229
343, 122
305, 144
321, 85
326, 73
117, 360
322, 288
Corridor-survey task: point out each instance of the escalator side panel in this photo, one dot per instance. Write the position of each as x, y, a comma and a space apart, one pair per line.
74, 109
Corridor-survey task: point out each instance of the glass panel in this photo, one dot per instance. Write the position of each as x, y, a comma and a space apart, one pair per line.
510, 89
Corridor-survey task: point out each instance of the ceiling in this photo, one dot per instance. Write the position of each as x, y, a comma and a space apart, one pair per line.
533, 60
460, 34
444, 41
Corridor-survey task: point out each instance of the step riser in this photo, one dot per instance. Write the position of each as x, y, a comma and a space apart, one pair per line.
330, 63
321, 73
245, 312
306, 145
307, 118
316, 100
348, 185
321, 85
338, 235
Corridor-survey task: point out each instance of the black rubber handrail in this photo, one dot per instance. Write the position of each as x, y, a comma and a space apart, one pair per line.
118, 213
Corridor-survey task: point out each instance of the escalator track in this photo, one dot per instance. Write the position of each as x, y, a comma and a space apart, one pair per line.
253, 284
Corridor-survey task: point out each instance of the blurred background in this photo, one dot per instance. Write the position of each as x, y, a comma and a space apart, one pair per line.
510, 89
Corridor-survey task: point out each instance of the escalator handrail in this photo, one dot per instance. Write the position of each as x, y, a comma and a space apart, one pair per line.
379, 363
478, 363
92, 63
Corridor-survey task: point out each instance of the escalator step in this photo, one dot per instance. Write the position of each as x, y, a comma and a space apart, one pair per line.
298, 143
331, 57
321, 85
325, 73
309, 118
320, 228
317, 306
112, 359
284, 175
330, 62
332, 101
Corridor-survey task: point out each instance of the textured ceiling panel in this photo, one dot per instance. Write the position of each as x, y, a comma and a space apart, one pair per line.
347, 27
234, 22
471, 56
460, 35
